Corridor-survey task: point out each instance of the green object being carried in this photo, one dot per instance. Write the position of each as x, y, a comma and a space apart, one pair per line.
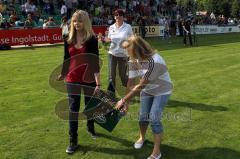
101, 109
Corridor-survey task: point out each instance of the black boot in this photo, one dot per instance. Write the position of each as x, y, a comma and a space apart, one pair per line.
111, 89
90, 129
73, 146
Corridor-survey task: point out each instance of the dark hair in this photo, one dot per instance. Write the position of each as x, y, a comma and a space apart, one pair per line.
118, 12
64, 18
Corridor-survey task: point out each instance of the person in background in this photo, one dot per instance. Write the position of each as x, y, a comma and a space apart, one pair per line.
1, 18
5, 24
29, 23
187, 31
180, 26
65, 31
2, 7
45, 24
47, 7
69, 5
12, 21
51, 22
81, 72
155, 88
10, 8
74, 4
19, 22
30, 8
172, 27
118, 32
166, 34
142, 26
100, 39
63, 9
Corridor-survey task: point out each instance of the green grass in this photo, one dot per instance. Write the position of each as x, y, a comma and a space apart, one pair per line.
201, 120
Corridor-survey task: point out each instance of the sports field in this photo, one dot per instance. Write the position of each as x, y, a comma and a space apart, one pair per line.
201, 120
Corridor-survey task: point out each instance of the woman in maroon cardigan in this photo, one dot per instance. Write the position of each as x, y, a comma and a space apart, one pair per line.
80, 71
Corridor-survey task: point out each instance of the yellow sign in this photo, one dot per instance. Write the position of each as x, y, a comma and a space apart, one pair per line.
151, 31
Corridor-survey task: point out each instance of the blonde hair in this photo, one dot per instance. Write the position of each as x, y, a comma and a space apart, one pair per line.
80, 15
138, 48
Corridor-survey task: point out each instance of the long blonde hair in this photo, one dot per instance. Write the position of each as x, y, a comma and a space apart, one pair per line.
80, 15
138, 48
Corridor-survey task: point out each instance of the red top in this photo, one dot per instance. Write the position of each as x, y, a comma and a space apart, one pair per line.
77, 65
80, 65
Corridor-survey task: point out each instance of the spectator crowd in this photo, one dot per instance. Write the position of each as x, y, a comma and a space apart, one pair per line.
48, 13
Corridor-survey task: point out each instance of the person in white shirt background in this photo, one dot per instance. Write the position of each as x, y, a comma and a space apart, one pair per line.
63, 9
1, 18
118, 32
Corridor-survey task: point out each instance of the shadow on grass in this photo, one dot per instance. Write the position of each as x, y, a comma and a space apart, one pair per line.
202, 40
127, 150
168, 152
196, 106
31, 47
201, 153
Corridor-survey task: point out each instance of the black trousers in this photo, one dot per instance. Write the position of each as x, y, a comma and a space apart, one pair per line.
185, 38
74, 96
122, 64
143, 31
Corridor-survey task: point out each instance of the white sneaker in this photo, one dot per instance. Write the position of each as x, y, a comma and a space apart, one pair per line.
153, 157
138, 145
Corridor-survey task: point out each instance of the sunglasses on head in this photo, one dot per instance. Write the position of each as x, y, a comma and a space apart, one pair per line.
118, 15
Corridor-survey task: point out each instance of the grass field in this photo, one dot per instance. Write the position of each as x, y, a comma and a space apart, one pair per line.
201, 120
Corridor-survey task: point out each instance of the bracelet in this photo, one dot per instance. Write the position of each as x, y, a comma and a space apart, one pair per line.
98, 85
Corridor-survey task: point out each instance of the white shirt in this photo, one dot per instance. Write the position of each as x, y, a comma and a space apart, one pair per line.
29, 7
44, 25
155, 71
117, 36
63, 9
64, 29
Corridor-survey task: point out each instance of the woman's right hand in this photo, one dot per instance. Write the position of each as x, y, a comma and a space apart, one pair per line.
60, 77
121, 106
124, 109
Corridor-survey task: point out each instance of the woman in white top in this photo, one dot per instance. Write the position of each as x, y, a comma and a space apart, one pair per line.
118, 32
155, 87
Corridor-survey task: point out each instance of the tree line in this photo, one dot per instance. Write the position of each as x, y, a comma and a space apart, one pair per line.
228, 8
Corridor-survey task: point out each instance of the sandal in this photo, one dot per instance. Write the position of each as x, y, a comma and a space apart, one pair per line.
138, 145
153, 157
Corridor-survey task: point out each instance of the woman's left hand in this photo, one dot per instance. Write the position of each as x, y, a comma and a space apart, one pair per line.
97, 88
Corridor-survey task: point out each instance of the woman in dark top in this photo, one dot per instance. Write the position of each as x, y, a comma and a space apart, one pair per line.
187, 31
80, 71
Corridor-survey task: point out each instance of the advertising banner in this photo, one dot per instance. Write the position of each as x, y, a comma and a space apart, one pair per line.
151, 31
36, 36
54, 35
215, 29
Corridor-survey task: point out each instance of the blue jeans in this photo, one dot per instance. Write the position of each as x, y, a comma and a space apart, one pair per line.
151, 110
